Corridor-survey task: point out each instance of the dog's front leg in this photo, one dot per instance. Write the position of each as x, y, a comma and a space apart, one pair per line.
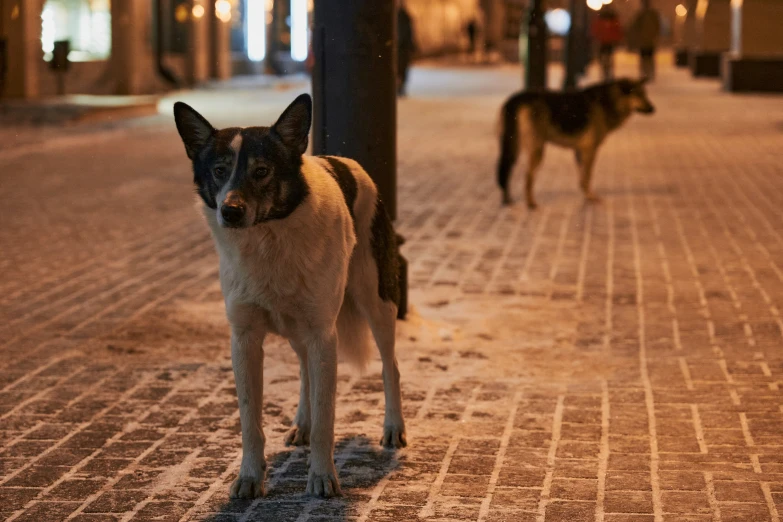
247, 357
322, 370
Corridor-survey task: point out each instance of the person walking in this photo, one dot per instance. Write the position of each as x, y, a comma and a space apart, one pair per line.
645, 30
608, 32
472, 30
406, 46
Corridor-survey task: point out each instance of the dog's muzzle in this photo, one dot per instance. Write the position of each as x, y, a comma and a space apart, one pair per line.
647, 109
233, 210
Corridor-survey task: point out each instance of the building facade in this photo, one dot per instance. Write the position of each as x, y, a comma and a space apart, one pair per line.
146, 46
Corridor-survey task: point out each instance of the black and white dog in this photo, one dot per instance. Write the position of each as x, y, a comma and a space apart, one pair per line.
306, 251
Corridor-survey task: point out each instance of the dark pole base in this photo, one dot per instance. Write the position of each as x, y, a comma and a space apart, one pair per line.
748, 74
705, 64
681, 58
535, 68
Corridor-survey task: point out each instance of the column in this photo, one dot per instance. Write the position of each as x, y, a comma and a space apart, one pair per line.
130, 50
220, 48
22, 31
712, 37
755, 61
536, 63
355, 92
684, 32
199, 48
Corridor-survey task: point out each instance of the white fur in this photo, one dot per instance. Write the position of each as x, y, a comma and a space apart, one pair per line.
311, 278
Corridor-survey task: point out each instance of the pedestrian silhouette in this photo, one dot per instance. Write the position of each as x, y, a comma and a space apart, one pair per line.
608, 32
645, 31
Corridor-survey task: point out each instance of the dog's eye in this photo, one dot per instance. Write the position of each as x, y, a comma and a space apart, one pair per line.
261, 172
219, 172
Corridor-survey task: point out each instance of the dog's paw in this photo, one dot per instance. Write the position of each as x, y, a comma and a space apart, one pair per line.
323, 485
394, 437
297, 436
247, 487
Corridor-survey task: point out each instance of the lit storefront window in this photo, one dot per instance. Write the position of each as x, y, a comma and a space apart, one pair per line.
256, 30
86, 23
299, 30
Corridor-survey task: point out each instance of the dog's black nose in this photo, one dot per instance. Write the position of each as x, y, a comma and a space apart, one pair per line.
232, 214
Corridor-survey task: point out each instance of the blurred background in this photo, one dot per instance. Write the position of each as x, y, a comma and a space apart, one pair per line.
132, 47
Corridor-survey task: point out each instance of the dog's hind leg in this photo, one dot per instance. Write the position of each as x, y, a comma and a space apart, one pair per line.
585, 157
299, 434
534, 158
322, 372
382, 316
247, 357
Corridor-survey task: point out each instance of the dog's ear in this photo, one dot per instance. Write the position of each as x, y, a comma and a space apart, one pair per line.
293, 126
193, 128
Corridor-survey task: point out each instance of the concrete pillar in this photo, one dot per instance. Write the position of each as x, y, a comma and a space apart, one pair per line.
21, 23
713, 37
755, 61
199, 45
684, 33
130, 48
220, 48
494, 12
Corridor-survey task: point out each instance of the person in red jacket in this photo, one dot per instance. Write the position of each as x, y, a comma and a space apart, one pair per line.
608, 32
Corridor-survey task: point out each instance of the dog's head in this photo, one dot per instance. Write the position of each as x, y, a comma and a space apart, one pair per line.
633, 96
248, 175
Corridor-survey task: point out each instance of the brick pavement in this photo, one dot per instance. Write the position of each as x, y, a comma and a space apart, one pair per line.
617, 362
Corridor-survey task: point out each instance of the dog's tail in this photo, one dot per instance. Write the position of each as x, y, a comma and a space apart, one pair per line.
353, 334
508, 135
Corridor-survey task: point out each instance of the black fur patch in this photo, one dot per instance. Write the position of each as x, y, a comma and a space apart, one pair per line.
216, 152
344, 177
286, 187
384, 250
604, 96
569, 112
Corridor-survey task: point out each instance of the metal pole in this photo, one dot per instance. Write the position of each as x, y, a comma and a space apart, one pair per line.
575, 44
354, 90
535, 71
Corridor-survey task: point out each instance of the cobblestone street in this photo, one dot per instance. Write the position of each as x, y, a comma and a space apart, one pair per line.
618, 362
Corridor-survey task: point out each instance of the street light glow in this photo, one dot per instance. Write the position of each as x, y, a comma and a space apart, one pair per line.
681, 10
558, 21
198, 11
223, 10
256, 30
595, 5
299, 30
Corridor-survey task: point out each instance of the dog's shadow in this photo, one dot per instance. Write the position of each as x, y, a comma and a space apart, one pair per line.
361, 464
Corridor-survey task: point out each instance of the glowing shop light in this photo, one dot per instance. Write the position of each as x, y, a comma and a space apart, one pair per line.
198, 11
223, 10
681, 10
256, 30
47, 30
299, 30
595, 5
558, 21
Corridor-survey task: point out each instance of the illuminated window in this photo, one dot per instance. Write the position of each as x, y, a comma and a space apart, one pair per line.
256, 30
299, 30
85, 23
